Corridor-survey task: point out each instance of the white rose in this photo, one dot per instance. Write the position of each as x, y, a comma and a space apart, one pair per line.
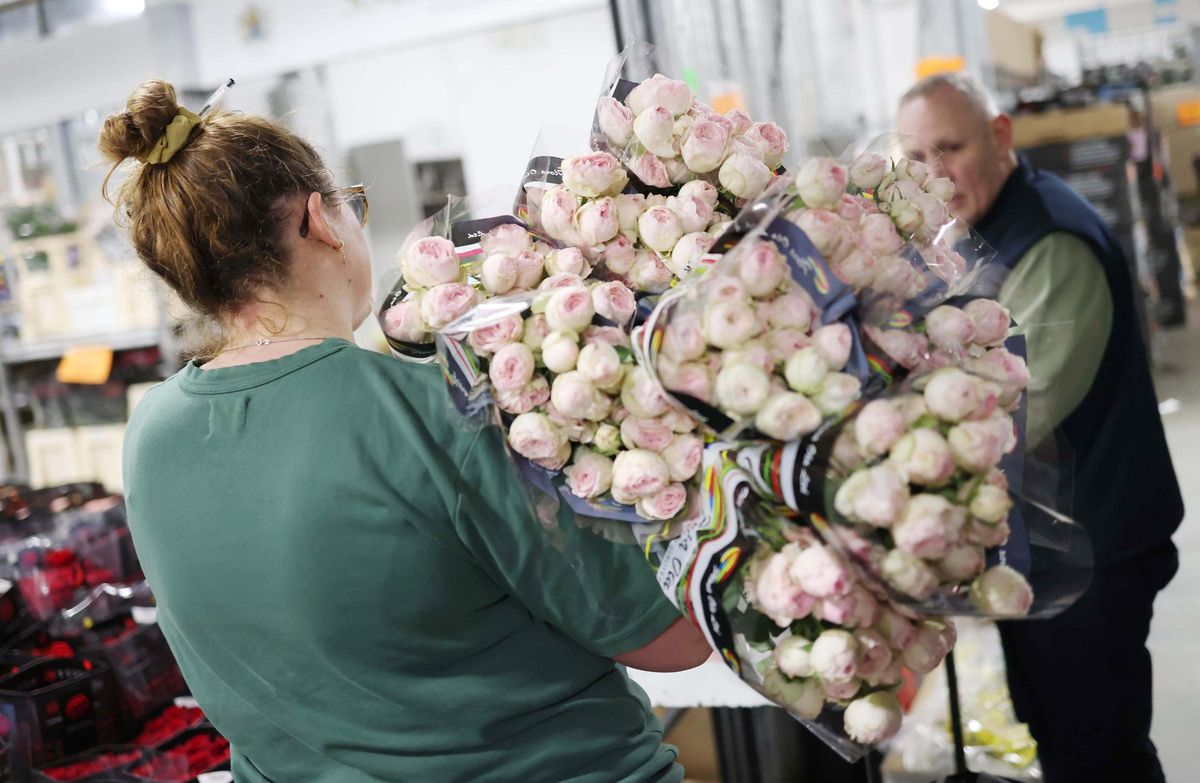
952, 394
941, 188
909, 574
793, 656
875, 495
590, 475
867, 171
596, 174
701, 190
616, 121
574, 396
607, 440
660, 229
787, 416
821, 183
928, 526
743, 176
728, 323
683, 456
535, 437
742, 389
560, 350
806, 370
654, 127
833, 342
570, 309
673, 94
837, 391
834, 656
873, 718
1001, 591
704, 146
923, 457
961, 562
687, 251
877, 427
638, 473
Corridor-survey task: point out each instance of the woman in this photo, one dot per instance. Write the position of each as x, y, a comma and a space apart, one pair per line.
356, 590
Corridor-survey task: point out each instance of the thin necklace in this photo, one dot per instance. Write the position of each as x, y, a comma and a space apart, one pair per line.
268, 341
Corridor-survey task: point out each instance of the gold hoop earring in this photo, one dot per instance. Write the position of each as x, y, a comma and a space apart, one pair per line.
342, 249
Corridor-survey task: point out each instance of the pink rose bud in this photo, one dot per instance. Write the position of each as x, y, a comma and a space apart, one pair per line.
650, 273
842, 692
683, 455
649, 434
990, 504
846, 456
601, 364
530, 269
590, 475
874, 654
834, 656
792, 310
879, 235
950, 329
743, 176
557, 212
690, 378
867, 170
535, 394
927, 649
878, 426
654, 127
776, 595
991, 321
536, 330
641, 396
507, 238
874, 718
664, 504
486, 340
560, 350
899, 189
729, 323
403, 322
511, 368
928, 526
597, 174
940, 188
739, 121
980, 445
570, 309
833, 342
896, 275
687, 252
761, 269
898, 631
803, 698
596, 221
961, 562
905, 215
660, 229
535, 437
704, 146
771, 139
612, 335
577, 397
792, 656
630, 207
837, 391
825, 230
944, 262
987, 535
806, 370
683, 340
906, 348
616, 121
499, 273
701, 190
951, 394
638, 473
680, 423
821, 573
1007, 370
1001, 591
911, 407
650, 169
568, 260
614, 301
909, 574
430, 261
856, 269
445, 303
673, 94
754, 353
923, 457
742, 389
933, 212
821, 183
784, 343
607, 440
866, 608
619, 255
850, 209
874, 495
787, 416
694, 213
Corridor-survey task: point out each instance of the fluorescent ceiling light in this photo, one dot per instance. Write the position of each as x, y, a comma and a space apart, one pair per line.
989, 5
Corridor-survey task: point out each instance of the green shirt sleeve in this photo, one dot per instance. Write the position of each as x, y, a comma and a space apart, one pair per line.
600, 592
1059, 298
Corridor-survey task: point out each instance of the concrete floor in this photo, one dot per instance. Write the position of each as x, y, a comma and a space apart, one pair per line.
1175, 634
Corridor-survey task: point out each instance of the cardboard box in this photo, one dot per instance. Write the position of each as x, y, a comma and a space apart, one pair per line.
1175, 107
1099, 121
1015, 48
1180, 146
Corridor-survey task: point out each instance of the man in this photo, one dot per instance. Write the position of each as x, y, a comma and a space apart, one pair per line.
1081, 680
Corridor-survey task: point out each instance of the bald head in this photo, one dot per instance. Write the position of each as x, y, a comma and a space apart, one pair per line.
952, 123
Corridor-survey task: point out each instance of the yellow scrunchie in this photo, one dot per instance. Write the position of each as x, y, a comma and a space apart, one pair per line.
173, 139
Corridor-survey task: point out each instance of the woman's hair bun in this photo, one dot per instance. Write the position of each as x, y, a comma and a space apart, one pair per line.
134, 131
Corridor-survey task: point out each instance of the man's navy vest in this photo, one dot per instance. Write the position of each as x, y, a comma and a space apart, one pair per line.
1125, 492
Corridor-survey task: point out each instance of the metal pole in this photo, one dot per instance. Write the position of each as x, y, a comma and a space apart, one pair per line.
960, 756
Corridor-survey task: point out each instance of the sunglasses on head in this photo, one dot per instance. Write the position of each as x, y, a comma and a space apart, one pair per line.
354, 196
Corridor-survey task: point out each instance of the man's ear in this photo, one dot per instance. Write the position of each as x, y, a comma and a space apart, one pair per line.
318, 227
1002, 131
